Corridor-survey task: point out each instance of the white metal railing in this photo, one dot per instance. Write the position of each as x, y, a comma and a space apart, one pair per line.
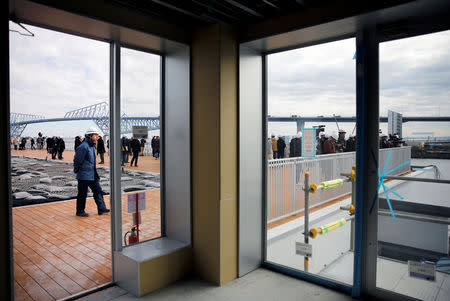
285, 178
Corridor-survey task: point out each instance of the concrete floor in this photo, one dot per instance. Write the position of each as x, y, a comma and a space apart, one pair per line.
259, 285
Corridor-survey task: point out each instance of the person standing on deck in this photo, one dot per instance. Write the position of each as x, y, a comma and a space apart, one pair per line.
101, 149
135, 147
329, 144
77, 142
274, 147
340, 144
143, 142
157, 147
350, 145
295, 147
280, 146
61, 146
84, 165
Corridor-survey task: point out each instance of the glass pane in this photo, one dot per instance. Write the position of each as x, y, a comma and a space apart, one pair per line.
141, 145
310, 92
413, 217
59, 89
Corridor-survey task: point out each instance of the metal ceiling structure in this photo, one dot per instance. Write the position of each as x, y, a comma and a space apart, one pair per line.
203, 12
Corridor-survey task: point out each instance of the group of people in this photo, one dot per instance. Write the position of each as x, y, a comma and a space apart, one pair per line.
135, 147
56, 146
335, 143
21, 143
332, 143
388, 141
155, 143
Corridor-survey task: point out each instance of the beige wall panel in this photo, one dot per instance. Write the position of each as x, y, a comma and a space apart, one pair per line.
164, 270
228, 156
228, 241
205, 152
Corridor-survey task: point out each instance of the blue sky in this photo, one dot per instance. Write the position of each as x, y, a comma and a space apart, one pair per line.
53, 73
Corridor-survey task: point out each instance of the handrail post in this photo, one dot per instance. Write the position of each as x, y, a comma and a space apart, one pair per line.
352, 233
306, 228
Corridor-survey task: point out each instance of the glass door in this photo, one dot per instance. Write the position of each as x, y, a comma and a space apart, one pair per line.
414, 168
311, 132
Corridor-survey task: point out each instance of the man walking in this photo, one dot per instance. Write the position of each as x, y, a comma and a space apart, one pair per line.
135, 147
84, 165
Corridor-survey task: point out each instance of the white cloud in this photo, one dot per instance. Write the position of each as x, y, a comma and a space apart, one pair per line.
320, 80
53, 73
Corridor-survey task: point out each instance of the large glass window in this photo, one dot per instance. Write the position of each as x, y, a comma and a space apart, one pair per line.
59, 89
413, 217
141, 145
311, 133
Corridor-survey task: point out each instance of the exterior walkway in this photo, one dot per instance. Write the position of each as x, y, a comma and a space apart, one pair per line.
57, 254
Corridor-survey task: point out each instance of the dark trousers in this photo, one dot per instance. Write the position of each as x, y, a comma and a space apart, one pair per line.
123, 158
135, 158
54, 152
102, 157
60, 155
82, 194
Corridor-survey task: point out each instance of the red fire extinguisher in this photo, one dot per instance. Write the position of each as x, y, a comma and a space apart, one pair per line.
133, 238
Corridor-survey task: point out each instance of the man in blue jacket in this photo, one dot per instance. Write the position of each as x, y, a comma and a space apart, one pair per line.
84, 165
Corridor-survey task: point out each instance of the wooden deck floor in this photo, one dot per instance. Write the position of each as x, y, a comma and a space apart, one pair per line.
57, 254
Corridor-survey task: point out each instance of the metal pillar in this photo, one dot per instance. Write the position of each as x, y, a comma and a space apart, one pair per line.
115, 150
6, 245
306, 228
367, 124
352, 233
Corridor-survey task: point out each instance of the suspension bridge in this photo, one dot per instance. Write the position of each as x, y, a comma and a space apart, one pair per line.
99, 114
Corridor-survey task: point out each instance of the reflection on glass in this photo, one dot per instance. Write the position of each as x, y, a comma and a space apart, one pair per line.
413, 227
313, 82
140, 146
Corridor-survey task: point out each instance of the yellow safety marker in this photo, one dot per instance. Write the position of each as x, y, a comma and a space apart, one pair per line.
332, 184
313, 233
313, 188
351, 210
352, 175
332, 226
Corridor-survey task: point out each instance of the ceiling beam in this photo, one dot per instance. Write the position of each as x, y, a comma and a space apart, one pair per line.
244, 8
328, 12
113, 14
